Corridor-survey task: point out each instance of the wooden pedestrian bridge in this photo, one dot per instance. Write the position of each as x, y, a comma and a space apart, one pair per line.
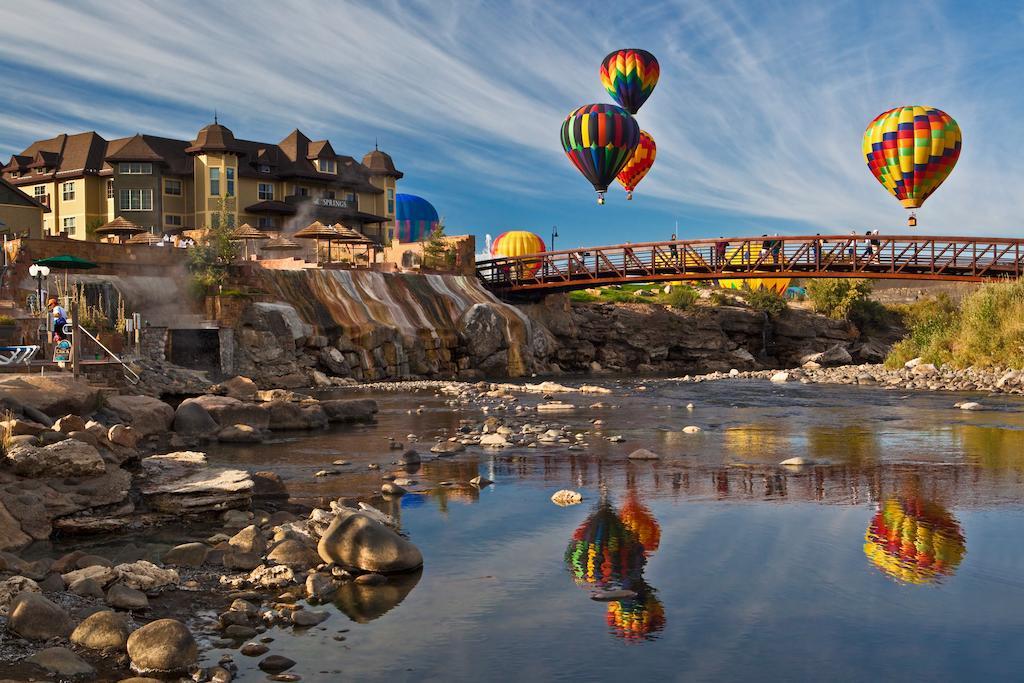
894, 257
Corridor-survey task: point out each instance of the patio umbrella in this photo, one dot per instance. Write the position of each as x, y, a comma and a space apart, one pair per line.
318, 231
281, 244
66, 262
350, 236
244, 233
145, 238
120, 227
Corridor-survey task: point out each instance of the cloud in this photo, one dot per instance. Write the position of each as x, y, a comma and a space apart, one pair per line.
758, 115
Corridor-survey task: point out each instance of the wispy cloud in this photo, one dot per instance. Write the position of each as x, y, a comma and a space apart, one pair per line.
758, 115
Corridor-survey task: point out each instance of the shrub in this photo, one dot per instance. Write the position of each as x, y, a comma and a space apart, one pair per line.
928, 323
583, 297
682, 297
767, 300
720, 298
837, 297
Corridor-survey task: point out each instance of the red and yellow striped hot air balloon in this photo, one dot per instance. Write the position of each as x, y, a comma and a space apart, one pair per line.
911, 151
639, 164
629, 76
516, 243
914, 541
638, 519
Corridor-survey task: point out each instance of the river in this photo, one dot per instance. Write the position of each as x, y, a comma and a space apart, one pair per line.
896, 557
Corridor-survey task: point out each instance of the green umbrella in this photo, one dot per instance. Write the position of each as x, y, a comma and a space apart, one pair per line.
66, 262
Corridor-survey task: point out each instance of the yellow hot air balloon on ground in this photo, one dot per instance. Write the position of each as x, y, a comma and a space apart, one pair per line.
749, 254
519, 243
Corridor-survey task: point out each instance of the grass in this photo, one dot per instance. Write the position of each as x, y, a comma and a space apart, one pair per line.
985, 330
681, 297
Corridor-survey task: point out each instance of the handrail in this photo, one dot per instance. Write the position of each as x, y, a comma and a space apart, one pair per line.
134, 379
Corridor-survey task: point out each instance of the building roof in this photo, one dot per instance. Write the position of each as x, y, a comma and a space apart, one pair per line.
11, 195
291, 158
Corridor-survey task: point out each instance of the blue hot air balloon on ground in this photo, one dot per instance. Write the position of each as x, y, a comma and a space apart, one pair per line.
415, 218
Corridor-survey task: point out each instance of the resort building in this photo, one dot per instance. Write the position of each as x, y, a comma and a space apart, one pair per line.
169, 185
20, 214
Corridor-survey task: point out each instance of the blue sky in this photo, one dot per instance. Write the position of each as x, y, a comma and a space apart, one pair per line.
758, 114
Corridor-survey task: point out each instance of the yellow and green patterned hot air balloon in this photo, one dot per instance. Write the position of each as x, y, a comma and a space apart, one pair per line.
914, 541
911, 151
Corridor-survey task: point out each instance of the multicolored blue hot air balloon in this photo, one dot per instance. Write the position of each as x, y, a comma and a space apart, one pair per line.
629, 76
415, 218
910, 151
599, 140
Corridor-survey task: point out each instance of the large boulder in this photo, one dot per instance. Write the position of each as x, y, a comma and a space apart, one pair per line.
288, 415
334, 361
165, 645
106, 630
68, 458
183, 482
483, 331
294, 554
192, 419
146, 576
62, 662
357, 541
249, 540
187, 555
834, 355
33, 617
53, 394
228, 411
349, 410
242, 388
144, 414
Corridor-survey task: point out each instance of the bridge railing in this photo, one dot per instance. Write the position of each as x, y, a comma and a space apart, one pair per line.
873, 256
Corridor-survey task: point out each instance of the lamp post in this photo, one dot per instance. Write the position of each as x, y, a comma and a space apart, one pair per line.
40, 273
554, 234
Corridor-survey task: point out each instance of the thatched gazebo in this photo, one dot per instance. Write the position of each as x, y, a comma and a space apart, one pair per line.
318, 231
244, 233
120, 228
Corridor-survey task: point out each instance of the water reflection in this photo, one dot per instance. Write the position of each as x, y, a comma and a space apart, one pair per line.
914, 541
362, 603
609, 551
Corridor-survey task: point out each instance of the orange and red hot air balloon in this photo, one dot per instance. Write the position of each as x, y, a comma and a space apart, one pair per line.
911, 151
639, 164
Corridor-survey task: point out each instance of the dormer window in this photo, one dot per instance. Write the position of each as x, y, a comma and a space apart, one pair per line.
264, 168
327, 165
42, 171
135, 168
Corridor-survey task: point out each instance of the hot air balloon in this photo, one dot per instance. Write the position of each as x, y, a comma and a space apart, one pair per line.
519, 243
914, 541
599, 139
629, 76
638, 519
639, 164
604, 552
639, 618
911, 150
748, 254
415, 218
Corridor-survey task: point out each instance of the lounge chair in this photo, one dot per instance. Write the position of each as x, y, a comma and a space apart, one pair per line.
13, 355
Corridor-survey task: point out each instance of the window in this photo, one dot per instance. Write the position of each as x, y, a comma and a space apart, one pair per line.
328, 166
39, 191
172, 219
330, 194
135, 200
110, 189
69, 225
350, 197
41, 171
214, 182
301, 191
264, 168
67, 191
391, 200
265, 222
231, 181
172, 187
266, 191
135, 168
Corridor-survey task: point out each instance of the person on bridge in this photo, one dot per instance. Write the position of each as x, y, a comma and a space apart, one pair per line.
817, 251
776, 250
674, 250
721, 246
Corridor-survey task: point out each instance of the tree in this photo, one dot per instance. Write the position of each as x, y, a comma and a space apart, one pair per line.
437, 253
214, 251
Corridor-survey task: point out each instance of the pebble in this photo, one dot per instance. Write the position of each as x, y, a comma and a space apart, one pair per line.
276, 664
691, 429
254, 649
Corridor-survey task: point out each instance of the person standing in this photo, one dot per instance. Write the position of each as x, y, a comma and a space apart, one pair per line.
59, 316
721, 247
674, 250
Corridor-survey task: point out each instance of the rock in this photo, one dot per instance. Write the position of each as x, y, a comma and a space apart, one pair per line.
643, 454
691, 429
187, 555
493, 441
566, 497
10, 588
294, 554
61, 661
93, 561
349, 410
97, 572
239, 434
831, 357
249, 540
87, 588
67, 562
811, 365
610, 595
52, 584
239, 632
18, 427
304, 618
183, 482
268, 485
69, 458
354, 540
123, 597
83, 436
276, 664
145, 414
192, 419
391, 489
242, 388
271, 576
555, 407
52, 394
236, 559
913, 363
970, 405
924, 370
780, 377
321, 587
254, 649
285, 415
165, 645
446, 448
106, 630
411, 457
33, 617
123, 435
69, 423
480, 481
229, 411
146, 576
797, 462
371, 579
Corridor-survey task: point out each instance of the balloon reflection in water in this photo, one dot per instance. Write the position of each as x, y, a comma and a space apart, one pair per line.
609, 550
914, 541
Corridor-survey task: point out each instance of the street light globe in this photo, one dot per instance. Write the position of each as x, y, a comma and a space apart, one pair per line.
38, 271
